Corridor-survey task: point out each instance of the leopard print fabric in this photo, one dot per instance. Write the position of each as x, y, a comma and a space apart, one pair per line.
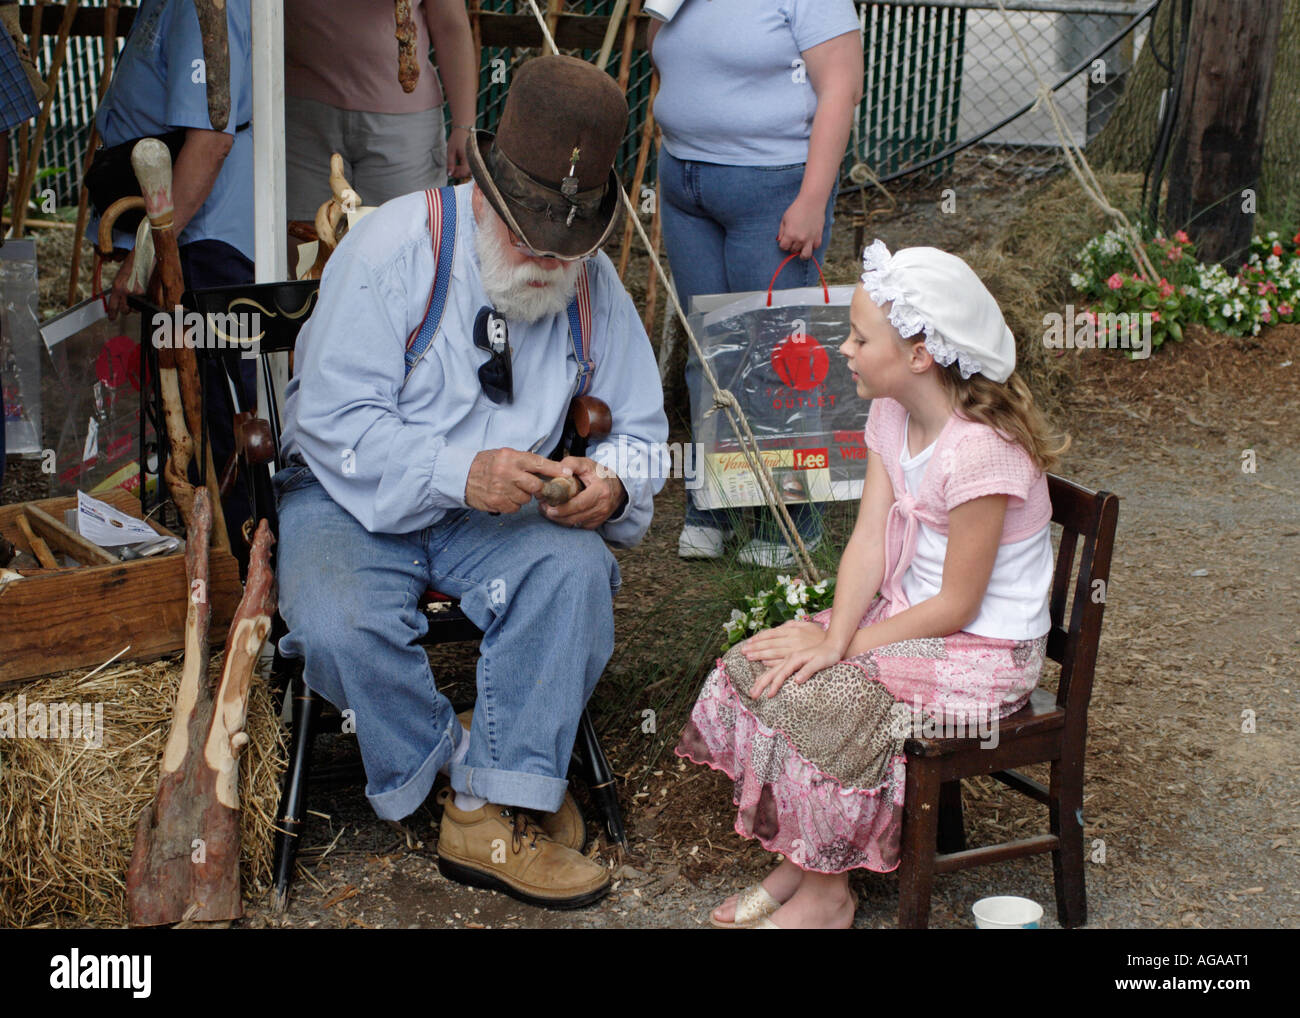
840, 718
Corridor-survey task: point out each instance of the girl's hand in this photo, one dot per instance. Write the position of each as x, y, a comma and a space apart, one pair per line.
810, 652
801, 227
773, 645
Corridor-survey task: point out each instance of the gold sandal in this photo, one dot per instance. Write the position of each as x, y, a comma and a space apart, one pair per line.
753, 905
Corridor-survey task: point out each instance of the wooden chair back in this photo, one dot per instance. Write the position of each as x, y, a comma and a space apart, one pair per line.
1087, 520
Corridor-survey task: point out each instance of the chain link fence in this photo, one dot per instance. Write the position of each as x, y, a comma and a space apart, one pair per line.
940, 75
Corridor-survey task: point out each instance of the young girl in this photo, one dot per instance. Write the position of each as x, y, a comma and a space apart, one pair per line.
953, 531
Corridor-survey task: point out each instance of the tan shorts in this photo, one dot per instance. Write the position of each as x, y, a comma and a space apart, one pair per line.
384, 154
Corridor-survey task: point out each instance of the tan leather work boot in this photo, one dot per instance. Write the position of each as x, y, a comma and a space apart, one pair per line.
505, 849
566, 825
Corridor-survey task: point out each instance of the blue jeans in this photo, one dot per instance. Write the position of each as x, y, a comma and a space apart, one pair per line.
720, 226
541, 593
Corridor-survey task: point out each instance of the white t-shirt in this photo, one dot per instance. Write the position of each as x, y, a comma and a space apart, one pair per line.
1015, 606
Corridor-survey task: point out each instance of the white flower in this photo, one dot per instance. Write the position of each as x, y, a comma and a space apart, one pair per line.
782, 581
820, 588
1077, 281
800, 614
792, 596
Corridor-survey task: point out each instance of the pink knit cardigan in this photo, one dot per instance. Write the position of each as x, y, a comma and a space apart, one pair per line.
969, 460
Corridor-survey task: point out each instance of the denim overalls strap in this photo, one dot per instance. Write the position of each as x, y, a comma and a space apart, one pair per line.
442, 234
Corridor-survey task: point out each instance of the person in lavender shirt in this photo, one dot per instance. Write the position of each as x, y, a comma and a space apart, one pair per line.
756, 103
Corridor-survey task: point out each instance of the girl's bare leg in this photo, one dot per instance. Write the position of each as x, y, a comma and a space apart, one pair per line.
781, 884
822, 901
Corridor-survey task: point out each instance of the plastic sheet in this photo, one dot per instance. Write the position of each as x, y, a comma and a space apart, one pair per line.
95, 400
784, 366
20, 351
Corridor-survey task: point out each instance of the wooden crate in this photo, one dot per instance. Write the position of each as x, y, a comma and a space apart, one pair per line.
82, 617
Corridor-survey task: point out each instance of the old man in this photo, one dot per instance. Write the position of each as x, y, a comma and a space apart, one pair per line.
453, 329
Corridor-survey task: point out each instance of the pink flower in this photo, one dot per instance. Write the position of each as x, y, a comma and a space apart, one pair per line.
1277, 248
1155, 316
1285, 310
1181, 237
1267, 287
1175, 254
1115, 282
1266, 316
1089, 316
1165, 288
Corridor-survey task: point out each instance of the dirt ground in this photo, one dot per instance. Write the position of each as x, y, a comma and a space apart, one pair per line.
1191, 794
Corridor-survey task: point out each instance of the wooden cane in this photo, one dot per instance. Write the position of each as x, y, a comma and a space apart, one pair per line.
647, 134
181, 391
629, 37
83, 201
27, 175
652, 284
611, 31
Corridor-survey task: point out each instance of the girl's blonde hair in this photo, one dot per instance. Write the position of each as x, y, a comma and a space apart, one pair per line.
1007, 407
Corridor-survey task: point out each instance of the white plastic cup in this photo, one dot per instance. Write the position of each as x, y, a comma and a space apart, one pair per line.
662, 9
1007, 913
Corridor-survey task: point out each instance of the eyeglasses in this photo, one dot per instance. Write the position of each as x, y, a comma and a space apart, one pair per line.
495, 375
525, 249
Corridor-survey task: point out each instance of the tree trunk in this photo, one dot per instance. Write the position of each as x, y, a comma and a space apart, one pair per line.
1279, 181
1219, 140
1126, 142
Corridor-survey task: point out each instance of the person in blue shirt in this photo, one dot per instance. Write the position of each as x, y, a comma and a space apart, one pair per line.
415, 462
160, 85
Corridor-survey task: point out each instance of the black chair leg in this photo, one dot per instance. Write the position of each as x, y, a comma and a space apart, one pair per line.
293, 797
600, 779
952, 830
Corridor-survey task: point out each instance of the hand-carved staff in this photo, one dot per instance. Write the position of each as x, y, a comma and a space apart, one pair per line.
186, 859
178, 371
216, 59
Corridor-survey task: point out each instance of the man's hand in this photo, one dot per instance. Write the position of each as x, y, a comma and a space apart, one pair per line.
503, 480
117, 297
599, 499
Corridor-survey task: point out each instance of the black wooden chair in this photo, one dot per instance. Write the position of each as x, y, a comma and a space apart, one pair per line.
284, 308
1049, 729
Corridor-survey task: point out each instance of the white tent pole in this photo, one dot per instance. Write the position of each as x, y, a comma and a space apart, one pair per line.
270, 229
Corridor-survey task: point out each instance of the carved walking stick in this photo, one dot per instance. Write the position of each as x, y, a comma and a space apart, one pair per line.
186, 859
216, 59
178, 370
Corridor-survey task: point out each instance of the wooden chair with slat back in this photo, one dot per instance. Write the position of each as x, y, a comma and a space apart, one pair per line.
285, 307
1049, 729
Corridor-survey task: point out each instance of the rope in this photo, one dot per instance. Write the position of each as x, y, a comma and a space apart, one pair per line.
1078, 162
723, 399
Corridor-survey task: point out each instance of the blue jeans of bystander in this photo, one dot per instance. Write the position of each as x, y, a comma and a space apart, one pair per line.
720, 227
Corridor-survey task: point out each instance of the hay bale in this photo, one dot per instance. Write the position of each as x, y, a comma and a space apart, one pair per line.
1027, 268
69, 808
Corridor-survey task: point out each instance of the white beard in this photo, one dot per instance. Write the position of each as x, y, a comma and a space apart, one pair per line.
507, 286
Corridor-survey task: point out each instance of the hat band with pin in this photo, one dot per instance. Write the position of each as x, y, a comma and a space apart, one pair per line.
521, 189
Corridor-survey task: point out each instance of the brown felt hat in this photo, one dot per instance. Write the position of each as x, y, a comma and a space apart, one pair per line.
549, 170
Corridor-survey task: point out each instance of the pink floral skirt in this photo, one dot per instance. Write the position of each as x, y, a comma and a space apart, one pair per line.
819, 771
